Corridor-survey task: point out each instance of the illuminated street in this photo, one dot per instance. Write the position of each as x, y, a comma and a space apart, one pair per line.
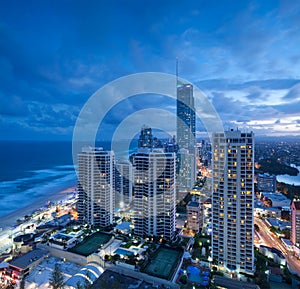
271, 240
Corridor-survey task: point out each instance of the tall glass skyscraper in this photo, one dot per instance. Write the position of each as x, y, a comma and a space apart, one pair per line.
186, 119
186, 137
232, 201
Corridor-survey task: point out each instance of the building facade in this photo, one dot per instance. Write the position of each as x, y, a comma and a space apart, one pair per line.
186, 118
96, 198
155, 193
124, 178
145, 138
266, 183
186, 137
295, 223
194, 212
187, 170
233, 201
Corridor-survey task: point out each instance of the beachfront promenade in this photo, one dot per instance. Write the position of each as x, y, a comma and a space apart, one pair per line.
38, 214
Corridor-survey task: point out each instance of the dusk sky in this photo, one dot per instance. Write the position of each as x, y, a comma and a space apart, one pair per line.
244, 55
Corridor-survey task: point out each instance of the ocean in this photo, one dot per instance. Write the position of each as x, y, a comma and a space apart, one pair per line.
35, 169
30, 170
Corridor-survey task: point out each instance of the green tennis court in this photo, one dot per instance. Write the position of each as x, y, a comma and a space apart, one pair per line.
91, 244
163, 263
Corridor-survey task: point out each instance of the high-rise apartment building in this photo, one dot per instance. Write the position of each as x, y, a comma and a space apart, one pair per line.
295, 224
232, 201
155, 193
96, 186
124, 178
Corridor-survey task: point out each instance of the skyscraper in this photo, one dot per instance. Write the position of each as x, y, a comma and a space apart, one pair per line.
145, 138
186, 133
187, 174
232, 201
155, 193
96, 186
186, 119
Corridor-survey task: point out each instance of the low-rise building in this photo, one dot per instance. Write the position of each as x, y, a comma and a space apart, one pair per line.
266, 183
277, 199
273, 253
267, 212
223, 282
275, 274
21, 266
272, 222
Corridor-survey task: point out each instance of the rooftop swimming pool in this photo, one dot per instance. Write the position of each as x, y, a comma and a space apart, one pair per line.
62, 236
195, 275
123, 252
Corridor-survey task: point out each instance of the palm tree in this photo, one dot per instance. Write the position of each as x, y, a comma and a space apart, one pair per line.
57, 278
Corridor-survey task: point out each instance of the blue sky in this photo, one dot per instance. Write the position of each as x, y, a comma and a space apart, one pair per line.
54, 55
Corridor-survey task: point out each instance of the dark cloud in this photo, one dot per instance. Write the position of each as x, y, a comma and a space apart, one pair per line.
54, 55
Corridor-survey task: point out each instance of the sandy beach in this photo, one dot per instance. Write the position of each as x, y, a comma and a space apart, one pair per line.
10, 220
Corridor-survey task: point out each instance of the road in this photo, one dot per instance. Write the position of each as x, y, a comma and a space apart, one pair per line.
271, 240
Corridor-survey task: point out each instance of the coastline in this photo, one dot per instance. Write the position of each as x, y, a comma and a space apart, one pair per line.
10, 220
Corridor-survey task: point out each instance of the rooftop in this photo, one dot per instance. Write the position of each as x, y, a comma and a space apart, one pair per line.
109, 279
91, 272
275, 196
24, 261
193, 204
233, 284
39, 277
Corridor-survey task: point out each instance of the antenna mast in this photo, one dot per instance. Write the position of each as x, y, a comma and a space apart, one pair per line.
176, 71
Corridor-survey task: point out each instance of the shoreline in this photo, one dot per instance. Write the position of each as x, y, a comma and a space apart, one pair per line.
10, 220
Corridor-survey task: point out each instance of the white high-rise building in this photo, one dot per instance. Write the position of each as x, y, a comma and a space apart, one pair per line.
155, 193
232, 201
124, 178
96, 199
